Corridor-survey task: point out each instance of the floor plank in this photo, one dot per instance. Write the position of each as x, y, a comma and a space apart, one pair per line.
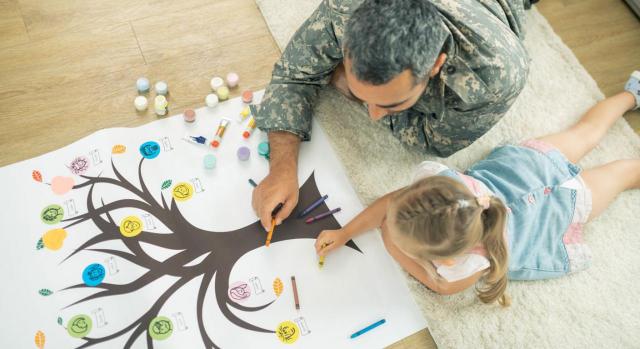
45, 19
12, 28
45, 64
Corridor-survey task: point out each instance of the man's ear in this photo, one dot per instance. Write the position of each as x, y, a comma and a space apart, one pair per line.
438, 65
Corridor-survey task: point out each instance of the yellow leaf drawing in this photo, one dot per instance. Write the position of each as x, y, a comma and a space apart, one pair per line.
277, 287
118, 149
39, 339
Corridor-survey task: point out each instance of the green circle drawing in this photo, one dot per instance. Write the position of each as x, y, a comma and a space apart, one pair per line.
52, 214
79, 326
160, 328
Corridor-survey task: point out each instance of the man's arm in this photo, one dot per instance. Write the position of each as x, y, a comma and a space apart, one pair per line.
286, 109
281, 185
304, 67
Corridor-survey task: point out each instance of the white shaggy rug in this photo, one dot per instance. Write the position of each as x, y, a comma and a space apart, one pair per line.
596, 308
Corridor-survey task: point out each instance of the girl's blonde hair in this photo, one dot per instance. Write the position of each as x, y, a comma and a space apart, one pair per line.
438, 217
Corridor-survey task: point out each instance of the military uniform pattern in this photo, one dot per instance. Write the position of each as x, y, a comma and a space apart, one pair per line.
485, 70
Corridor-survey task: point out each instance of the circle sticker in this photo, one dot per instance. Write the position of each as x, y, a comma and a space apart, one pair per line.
183, 191
93, 275
150, 150
288, 332
52, 214
160, 328
239, 291
79, 326
131, 226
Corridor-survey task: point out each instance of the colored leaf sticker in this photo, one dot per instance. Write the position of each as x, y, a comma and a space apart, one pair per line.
45, 292
40, 244
59, 321
53, 239
37, 176
118, 149
277, 287
166, 184
39, 339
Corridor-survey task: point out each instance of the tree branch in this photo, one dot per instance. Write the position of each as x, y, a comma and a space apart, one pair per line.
202, 292
141, 322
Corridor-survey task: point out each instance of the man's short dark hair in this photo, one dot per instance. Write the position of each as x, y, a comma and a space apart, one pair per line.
383, 38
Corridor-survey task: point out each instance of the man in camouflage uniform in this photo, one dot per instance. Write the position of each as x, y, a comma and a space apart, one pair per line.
439, 73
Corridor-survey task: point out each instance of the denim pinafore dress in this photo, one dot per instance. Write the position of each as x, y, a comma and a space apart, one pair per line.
530, 183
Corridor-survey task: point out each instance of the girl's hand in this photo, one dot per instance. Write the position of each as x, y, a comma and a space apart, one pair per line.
329, 240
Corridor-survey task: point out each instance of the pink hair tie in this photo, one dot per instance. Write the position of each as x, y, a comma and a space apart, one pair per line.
484, 201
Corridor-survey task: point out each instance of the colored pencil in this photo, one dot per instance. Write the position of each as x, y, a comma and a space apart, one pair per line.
368, 328
322, 215
312, 206
321, 261
273, 223
270, 234
295, 292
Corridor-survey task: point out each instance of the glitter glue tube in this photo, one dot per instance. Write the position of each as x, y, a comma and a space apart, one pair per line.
250, 127
195, 139
244, 114
219, 133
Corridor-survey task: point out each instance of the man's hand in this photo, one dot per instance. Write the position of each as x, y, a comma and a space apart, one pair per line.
281, 185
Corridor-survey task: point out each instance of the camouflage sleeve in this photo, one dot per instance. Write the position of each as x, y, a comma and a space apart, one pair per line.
446, 135
304, 67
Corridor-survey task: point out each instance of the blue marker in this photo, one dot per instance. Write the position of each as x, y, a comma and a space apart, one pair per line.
368, 328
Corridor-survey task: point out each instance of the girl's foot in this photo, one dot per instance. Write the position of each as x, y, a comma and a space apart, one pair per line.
633, 86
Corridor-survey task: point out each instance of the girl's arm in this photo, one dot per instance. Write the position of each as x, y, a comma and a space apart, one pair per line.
370, 218
373, 217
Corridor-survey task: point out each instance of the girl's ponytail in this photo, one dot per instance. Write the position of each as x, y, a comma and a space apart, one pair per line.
494, 219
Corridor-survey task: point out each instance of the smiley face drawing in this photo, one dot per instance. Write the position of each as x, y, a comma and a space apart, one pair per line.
52, 214
93, 274
288, 332
79, 326
150, 150
239, 291
160, 328
183, 191
131, 226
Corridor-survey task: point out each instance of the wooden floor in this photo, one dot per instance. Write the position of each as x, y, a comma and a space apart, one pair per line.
68, 68
604, 35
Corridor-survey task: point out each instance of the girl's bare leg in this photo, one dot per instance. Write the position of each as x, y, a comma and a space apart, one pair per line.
580, 138
609, 180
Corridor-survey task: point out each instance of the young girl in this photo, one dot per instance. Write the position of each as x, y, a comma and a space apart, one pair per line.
518, 214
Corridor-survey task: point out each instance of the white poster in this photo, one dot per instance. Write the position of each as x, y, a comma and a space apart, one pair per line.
124, 239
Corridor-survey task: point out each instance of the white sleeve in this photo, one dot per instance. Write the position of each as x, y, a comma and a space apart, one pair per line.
427, 169
464, 267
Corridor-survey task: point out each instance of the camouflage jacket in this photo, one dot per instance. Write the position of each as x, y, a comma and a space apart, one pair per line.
485, 70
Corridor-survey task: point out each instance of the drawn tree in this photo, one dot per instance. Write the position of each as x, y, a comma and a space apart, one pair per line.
219, 252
